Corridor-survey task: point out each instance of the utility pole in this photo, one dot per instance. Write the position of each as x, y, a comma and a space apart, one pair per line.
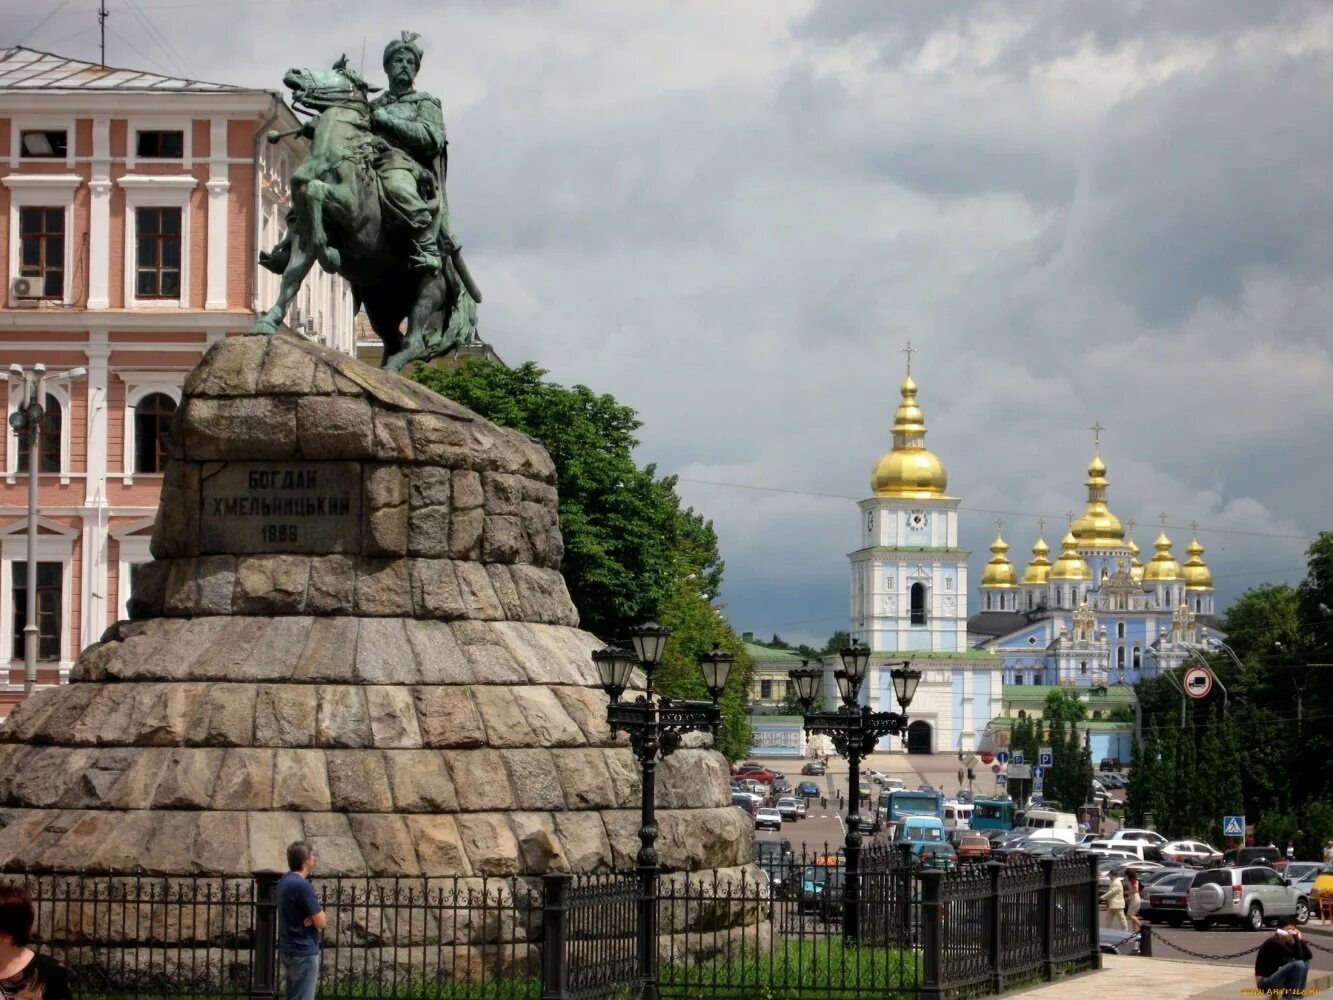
102, 15
26, 421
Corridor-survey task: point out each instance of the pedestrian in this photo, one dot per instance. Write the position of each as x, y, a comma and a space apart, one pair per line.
1291, 851
1133, 900
24, 974
1328, 853
1115, 904
1283, 961
300, 919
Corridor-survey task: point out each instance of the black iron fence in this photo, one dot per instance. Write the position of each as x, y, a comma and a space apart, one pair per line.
777, 929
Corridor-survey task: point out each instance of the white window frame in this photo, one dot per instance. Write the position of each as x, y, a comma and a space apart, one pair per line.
61, 394
132, 549
41, 191
55, 545
156, 191
137, 386
40, 123
152, 123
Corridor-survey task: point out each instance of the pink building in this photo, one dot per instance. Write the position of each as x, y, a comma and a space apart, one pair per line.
133, 206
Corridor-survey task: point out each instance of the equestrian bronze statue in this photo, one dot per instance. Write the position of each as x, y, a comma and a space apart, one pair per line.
368, 203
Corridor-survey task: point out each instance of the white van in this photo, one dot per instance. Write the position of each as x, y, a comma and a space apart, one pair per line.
958, 815
1136, 848
1052, 825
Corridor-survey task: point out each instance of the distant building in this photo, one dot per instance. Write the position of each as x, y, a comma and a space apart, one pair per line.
768, 683
909, 596
134, 205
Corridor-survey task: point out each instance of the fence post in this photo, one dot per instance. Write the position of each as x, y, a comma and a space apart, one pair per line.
994, 920
1094, 913
264, 968
903, 860
932, 941
555, 908
1145, 940
1047, 917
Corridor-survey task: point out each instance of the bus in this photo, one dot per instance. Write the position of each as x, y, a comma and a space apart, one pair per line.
993, 814
894, 805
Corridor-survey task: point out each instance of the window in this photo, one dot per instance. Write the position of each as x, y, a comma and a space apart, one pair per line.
765, 689
160, 145
152, 432
918, 606
48, 444
1029, 600
1138, 658
1198, 605
1120, 657
48, 608
1119, 630
1018, 678
42, 249
988, 602
158, 253
1083, 666
44, 144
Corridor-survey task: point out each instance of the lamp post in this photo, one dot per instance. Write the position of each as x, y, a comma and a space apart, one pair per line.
654, 727
26, 421
854, 731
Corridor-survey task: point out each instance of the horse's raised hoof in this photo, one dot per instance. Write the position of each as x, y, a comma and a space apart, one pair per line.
331, 260
264, 327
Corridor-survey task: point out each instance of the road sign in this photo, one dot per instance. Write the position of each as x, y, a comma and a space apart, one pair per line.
999, 779
970, 760
1020, 771
1198, 682
1017, 758
1044, 756
1002, 757
1037, 798
995, 768
1039, 772
987, 757
1233, 826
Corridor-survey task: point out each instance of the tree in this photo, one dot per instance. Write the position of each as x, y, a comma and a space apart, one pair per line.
1062, 705
627, 537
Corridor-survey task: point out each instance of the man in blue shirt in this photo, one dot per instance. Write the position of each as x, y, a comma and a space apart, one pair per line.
300, 919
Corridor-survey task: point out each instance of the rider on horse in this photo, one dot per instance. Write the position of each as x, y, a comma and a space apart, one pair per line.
409, 128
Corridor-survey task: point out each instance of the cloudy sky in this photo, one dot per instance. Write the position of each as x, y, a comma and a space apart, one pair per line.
732, 216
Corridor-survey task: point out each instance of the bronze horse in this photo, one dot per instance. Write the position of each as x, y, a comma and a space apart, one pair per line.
337, 220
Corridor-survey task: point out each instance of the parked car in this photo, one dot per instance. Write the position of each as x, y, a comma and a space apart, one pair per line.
1246, 896
774, 858
761, 775
1111, 779
743, 800
1110, 764
800, 809
1154, 875
1239, 857
747, 765
780, 847
768, 818
1140, 849
831, 896
815, 767
1111, 941
1323, 882
877, 776
893, 784
811, 891
786, 806
781, 786
1191, 852
808, 789
939, 856
973, 847
1302, 871
1148, 836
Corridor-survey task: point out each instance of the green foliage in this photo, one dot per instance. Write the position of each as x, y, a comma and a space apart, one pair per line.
627, 538
1062, 705
795, 969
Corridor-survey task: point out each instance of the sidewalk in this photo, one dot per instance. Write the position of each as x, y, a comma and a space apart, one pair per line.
1125, 977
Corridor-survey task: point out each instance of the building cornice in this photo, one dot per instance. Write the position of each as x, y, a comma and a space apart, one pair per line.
73, 320
64, 183
119, 103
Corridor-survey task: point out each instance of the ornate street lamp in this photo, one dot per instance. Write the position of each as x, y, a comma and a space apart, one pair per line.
654, 727
854, 731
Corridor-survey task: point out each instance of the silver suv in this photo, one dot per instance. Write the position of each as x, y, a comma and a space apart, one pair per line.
1248, 896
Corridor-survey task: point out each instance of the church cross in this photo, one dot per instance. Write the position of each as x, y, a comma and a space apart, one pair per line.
1069, 517
999, 525
1097, 429
1194, 526
909, 350
1041, 526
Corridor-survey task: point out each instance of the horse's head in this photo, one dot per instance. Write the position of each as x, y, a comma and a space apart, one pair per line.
318, 89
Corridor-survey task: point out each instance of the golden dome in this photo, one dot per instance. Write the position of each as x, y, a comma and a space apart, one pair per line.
909, 470
1135, 567
1039, 569
1070, 565
1195, 571
1098, 528
1163, 566
999, 572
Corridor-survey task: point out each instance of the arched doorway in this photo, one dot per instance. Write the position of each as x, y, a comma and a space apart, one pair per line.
919, 737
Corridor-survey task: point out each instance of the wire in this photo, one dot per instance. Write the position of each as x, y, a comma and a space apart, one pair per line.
159, 38
142, 54
981, 510
42, 23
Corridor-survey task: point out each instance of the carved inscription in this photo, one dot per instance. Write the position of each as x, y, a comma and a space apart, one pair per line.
299, 507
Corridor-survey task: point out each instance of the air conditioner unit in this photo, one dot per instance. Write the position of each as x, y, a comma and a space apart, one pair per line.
25, 289
298, 316
308, 328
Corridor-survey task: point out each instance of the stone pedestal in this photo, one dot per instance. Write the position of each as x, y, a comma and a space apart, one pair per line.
354, 631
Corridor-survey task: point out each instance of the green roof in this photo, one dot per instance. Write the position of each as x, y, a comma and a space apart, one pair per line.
767, 654
1038, 692
935, 654
1096, 725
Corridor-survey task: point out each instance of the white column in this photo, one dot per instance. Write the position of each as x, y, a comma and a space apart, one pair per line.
95, 515
218, 186
99, 217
